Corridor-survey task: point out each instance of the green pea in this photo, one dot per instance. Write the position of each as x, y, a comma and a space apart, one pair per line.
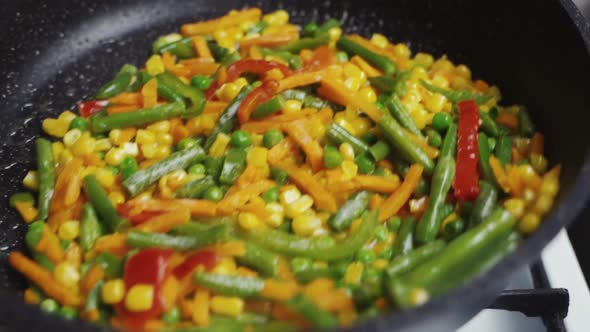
186, 143
49, 305
214, 194
300, 264
20, 197
366, 256
341, 56
380, 105
79, 123
369, 138
365, 164
381, 233
441, 121
172, 316
434, 138
271, 195
371, 273
280, 176
197, 169
332, 157
310, 29
394, 223
128, 166
201, 82
272, 138
241, 139
68, 313
387, 253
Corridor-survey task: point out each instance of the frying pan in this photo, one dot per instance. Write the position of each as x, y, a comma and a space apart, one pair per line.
54, 54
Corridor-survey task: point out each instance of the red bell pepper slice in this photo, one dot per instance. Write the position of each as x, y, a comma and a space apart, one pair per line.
149, 266
322, 57
466, 183
258, 96
206, 258
258, 67
126, 210
87, 108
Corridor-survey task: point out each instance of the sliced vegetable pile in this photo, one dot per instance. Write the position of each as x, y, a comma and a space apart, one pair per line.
258, 176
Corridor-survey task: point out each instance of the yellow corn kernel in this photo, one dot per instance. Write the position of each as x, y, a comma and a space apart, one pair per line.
227, 92
219, 145
148, 150
305, 225
31, 180
257, 157
65, 157
418, 296
352, 70
443, 64
435, 103
354, 273
412, 96
66, 274
102, 144
529, 223
380, 263
352, 83
249, 221
459, 83
114, 156
32, 296
113, 291
27, 211
347, 151
159, 127
367, 94
360, 125
228, 306
145, 137
155, 65
246, 25
105, 177
349, 169
463, 71
276, 212
289, 195
114, 136
418, 73
335, 33
69, 230
549, 186
227, 266
299, 206
67, 117
402, 51
543, 204
424, 59
421, 118
139, 298
344, 123
58, 148
515, 206
130, 149
162, 151
85, 145
71, 137
55, 127
164, 138
316, 128
379, 40
116, 197
278, 17
240, 83
292, 106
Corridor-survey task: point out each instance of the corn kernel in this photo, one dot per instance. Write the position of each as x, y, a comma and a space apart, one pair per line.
278, 17
31, 180
543, 204
360, 125
55, 127
66, 274
57, 148
148, 150
292, 106
424, 59
155, 65
257, 157
440, 81
32, 296
305, 225
435, 103
352, 70
335, 33
343, 122
249, 221
367, 94
349, 169
65, 157
144, 137
515, 206
290, 195
418, 296
114, 136
354, 273
443, 64
380, 263
335, 71
421, 118
27, 211
159, 127
226, 266
549, 186
352, 83
114, 156
529, 223
69, 230
347, 151
113, 291
71, 137
102, 144
105, 177
228, 306
276, 212
139, 298
227, 92
459, 83
67, 117
162, 151
418, 73
85, 145
402, 51
116, 198
219, 145
299, 206
379, 40
463, 71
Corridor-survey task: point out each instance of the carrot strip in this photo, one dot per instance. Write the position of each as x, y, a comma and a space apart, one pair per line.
285, 272
325, 115
126, 98
93, 159
514, 180
537, 144
398, 198
499, 173
271, 40
43, 279
186, 308
323, 198
215, 107
299, 80
257, 208
432, 152
170, 292
201, 47
200, 314
27, 211
508, 119
274, 122
279, 290
166, 221
115, 244
365, 66
280, 151
370, 46
50, 246
149, 93
74, 186
199, 207
254, 53
343, 186
299, 132
339, 93
232, 202
236, 18
200, 68
92, 277
170, 64
233, 248
126, 136
376, 201
377, 183
122, 109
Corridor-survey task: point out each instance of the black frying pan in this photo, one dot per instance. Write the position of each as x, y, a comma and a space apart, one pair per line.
55, 54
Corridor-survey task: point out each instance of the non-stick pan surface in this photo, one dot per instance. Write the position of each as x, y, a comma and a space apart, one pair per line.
55, 53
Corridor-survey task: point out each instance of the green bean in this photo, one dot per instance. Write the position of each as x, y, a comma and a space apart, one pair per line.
504, 150
434, 138
118, 84
140, 180
488, 124
404, 263
100, 201
453, 228
138, 118
484, 158
404, 241
182, 48
46, 169
93, 298
20, 197
484, 204
213, 235
213, 166
339, 135
450, 142
112, 265
222, 54
379, 150
422, 187
227, 121
250, 318
195, 188
352, 209
399, 112
455, 96
388, 84
395, 134
305, 43
233, 166
190, 92
90, 228
230, 285
312, 273
164, 90
389, 67
261, 259
272, 106
526, 127
325, 28
312, 313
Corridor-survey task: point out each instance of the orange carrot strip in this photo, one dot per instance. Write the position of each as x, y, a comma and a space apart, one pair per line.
376, 183
285, 272
93, 159
258, 208
122, 109
115, 244
149, 93
27, 211
537, 144
92, 277
280, 151
339, 93
126, 98
432, 152
299, 132
250, 175
508, 119
170, 292
274, 122
514, 180
370, 46
254, 53
215, 107
200, 314
200, 68
325, 115
323, 198
126, 136
398, 198
43, 279
279, 290
186, 308
50, 246
270, 40
343, 186
232, 202
199, 207
166, 221
376, 201
170, 64
499, 173
232, 248
365, 66
201, 47
206, 27
299, 80
74, 185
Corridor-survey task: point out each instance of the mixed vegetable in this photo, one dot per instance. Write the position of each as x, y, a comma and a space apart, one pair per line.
255, 175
